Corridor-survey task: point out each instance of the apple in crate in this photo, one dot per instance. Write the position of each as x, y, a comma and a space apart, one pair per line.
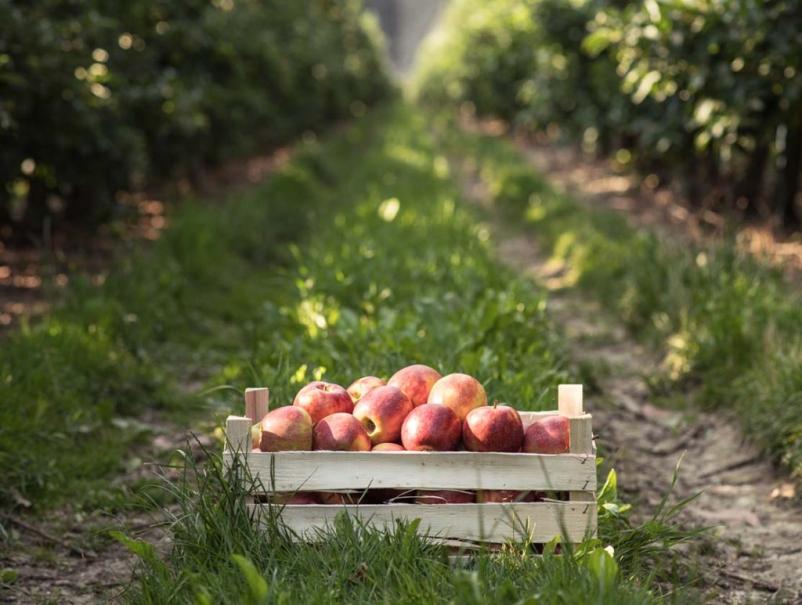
431, 428
382, 412
340, 432
548, 435
360, 388
460, 392
339, 498
388, 447
323, 399
496, 428
286, 429
445, 497
489, 496
415, 382
296, 498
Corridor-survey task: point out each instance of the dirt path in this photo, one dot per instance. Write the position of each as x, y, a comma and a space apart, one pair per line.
754, 553
67, 556
599, 183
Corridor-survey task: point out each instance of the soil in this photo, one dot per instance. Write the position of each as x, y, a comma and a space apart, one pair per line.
647, 203
753, 550
67, 555
33, 277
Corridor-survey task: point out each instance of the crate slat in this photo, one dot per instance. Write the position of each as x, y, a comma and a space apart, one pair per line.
238, 434
316, 471
494, 523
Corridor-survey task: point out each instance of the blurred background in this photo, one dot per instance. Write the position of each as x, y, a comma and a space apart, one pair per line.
100, 99
150, 270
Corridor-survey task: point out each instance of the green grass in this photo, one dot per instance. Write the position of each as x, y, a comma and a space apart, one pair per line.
167, 318
357, 258
218, 558
729, 326
394, 270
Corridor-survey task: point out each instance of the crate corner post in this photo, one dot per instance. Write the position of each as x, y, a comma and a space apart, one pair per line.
238, 434
570, 403
257, 403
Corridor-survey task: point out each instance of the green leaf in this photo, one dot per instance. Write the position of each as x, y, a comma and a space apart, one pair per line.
598, 41
257, 585
603, 566
8, 576
140, 548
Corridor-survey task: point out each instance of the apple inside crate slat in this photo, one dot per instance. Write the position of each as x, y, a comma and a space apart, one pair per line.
328, 470
497, 523
574, 472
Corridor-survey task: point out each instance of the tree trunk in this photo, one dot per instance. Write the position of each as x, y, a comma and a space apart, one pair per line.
751, 184
789, 179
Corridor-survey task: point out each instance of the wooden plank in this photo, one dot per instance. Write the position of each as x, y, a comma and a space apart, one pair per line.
324, 470
570, 403
238, 434
527, 418
257, 403
570, 400
581, 443
495, 523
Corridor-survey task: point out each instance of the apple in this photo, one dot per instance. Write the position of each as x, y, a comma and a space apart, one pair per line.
496, 428
388, 447
430, 428
296, 498
339, 498
504, 495
548, 435
460, 392
415, 382
360, 388
445, 497
341, 432
286, 429
323, 399
382, 412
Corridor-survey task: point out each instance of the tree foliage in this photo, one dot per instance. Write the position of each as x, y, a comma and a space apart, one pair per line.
98, 96
709, 91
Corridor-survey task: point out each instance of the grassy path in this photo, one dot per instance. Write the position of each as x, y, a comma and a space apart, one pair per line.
355, 258
753, 553
728, 327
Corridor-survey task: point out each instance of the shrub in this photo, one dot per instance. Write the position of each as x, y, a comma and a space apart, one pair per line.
706, 92
97, 97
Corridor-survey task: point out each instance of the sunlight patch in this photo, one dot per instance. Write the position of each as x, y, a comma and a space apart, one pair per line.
389, 208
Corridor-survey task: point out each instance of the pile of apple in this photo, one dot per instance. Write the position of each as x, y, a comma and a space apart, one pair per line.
416, 410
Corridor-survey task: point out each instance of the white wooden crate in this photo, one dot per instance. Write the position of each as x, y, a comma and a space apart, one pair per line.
466, 524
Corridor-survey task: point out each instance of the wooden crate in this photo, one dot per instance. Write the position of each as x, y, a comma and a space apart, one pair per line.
463, 524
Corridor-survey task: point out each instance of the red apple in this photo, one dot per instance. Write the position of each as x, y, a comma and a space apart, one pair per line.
548, 435
382, 412
445, 497
338, 498
360, 388
323, 399
296, 498
493, 429
388, 447
341, 432
460, 392
504, 495
415, 382
431, 427
286, 429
